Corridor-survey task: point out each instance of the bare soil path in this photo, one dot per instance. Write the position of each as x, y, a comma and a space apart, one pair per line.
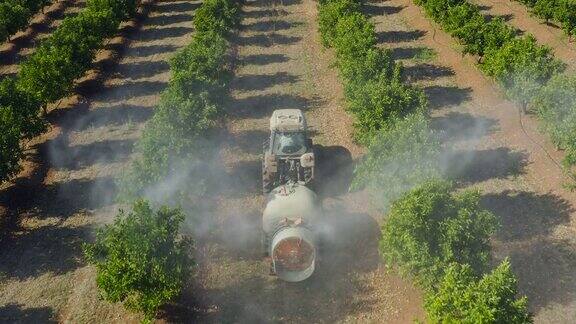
282, 65
67, 186
517, 15
494, 152
23, 43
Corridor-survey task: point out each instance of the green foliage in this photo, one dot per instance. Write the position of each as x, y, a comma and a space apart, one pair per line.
545, 9
49, 74
495, 34
172, 145
16, 14
466, 23
330, 13
120, 9
374, 90
565, 13
430, 227
438, 9
555, 105
399, 158
140, 259
377, 64
461, 298
355, 36
24, 108
217, 16
562, 11
202, 66
10, 148
175, 142
378, 103
529, 3
521, 66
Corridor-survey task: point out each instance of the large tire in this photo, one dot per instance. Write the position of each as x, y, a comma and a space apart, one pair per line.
263, 244
266, 183
266, 187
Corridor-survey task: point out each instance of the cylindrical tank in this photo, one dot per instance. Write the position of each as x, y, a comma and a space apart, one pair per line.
289, 222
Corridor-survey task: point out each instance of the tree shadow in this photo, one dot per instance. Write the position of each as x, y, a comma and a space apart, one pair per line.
379, 10
153, 34
66, 198
18, 313
165, 20
334, 170
552, 24
473, 166
140, 70
243, 179
399, 36
263, 59
543, 260
250, 141
173, 7
269, 26
120, 92
262, 40
545, 272
426, 72
114, 115
259, 106
262, 81
506, 17
404, 53
48, 249
78, 157
527, 215
446, 96
457, 126
256, 14
151, 50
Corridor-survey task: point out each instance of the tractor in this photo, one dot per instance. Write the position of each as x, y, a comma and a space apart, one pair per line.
289, 153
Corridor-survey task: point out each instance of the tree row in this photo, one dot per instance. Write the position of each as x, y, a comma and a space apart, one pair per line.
49, 75
438, 236
142, 259
560, 11
527, 71
15, 15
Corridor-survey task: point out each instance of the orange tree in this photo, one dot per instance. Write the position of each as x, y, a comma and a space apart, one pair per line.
140, 259
463, 297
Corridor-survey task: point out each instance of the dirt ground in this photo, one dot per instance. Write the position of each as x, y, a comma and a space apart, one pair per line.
497, 151
67, 186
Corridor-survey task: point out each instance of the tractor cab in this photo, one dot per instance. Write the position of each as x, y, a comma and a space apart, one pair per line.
288, 154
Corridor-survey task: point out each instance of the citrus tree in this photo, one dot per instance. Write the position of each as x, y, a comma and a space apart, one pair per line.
431, 226
399, 158
463, 298
140, 259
